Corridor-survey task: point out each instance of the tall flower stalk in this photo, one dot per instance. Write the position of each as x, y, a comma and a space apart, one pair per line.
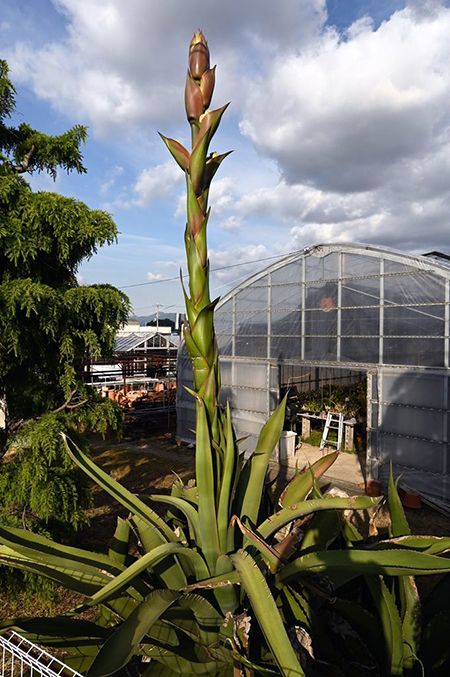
200, 167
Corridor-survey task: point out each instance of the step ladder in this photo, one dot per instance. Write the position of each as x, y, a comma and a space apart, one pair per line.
333, 422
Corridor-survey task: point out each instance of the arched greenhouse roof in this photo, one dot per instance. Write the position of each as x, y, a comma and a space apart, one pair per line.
341, 303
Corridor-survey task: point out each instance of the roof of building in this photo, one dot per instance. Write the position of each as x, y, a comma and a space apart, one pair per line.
127, 342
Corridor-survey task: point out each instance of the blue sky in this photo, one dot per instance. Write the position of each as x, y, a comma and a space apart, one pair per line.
339, 124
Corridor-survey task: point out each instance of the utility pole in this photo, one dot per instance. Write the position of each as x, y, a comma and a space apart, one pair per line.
158, 306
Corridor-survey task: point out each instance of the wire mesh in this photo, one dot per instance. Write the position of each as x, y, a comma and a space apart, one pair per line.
20, 658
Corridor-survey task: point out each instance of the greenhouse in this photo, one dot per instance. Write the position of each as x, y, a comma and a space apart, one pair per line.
342, 314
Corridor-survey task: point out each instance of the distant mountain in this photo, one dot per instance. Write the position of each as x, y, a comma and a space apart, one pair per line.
143, 319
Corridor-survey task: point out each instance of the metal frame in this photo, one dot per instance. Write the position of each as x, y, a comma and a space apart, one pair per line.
22, 657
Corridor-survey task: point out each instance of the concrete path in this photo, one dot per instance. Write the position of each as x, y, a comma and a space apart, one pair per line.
345, 470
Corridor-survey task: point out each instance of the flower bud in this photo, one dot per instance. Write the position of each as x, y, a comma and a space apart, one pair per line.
207, 86
198, 55
193, 99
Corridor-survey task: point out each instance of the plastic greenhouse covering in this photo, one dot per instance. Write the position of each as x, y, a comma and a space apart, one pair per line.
350, 307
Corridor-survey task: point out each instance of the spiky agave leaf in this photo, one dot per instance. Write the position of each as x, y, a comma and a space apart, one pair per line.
267, 614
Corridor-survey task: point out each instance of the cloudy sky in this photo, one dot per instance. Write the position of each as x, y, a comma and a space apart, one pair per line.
340, 123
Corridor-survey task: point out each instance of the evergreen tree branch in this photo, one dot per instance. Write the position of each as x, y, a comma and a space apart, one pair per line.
24, 165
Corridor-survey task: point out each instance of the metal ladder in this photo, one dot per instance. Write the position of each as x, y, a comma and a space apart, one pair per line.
333, 422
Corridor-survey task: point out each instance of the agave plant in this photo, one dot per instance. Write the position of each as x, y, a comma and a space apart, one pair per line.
232, 576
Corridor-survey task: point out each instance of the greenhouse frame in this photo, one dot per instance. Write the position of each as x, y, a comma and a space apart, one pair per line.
348, 309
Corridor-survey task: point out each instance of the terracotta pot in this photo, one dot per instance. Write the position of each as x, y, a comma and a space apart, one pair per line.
409, 500
373, 488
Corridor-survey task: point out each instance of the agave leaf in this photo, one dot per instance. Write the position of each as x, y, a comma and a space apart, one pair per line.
197, 164
116, 490
289, 544
251, 482
84, 573
226, 596
208, 619
212, 165
70, 579
159, 670
390, 623
219, 581
302, 483
272, 558
432, 545
118, 548
228, 481
209, 122
81, 658
323, 529
195, 220
181, 662
206, 489
286, 515
178, 151
356, 562
267, 614
149, 536
351, 533
124, 642
203, 330
239, 663
411, 621
172, 575
46, 552
189, 493
148, 561
38, 547
298, 606
119, 608
399, 523
186, 508
61, 629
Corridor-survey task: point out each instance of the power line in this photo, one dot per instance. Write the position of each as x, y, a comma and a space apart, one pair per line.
213, 270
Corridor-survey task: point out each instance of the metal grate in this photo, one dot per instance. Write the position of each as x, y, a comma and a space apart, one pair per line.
20, 657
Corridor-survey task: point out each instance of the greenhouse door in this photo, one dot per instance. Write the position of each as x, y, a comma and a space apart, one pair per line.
313, 391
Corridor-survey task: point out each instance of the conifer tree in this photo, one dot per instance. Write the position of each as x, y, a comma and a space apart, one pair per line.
49, 323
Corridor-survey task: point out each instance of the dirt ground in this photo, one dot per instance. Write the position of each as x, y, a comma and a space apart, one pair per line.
147, 465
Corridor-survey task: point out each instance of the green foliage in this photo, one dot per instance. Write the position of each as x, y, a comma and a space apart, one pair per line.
275, 600
38, 480
350, 399
49, 325
24, 586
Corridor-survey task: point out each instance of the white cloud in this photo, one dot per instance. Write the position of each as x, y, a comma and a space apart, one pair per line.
123, 63
361, 134
115, 172
350, 113
153, 277
156, 182
237, 263
222, 194
230, 224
